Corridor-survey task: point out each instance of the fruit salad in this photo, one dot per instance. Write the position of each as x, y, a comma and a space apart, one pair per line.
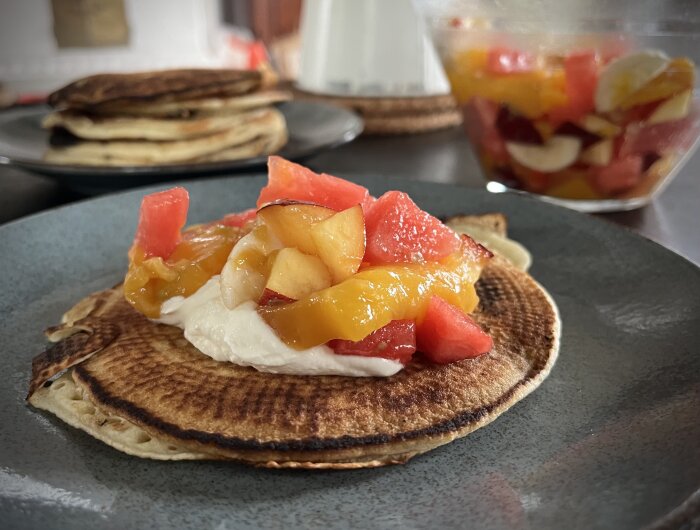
321, 263
585, 124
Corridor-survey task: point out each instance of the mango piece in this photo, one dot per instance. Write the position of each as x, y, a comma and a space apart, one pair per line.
371, 299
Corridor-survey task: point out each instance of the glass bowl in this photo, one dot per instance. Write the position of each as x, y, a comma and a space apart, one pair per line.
597, 114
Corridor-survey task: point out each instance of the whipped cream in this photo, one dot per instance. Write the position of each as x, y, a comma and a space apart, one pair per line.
242, 337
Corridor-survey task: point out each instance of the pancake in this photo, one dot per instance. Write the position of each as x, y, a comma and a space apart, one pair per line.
213, 106
264, 144
94, 127
154, 86
490, 230
147, 378
268, 123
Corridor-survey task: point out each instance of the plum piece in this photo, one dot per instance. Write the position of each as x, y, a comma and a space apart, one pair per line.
516, 128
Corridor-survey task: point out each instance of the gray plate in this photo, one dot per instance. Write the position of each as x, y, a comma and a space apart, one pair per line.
610, 440
313, 127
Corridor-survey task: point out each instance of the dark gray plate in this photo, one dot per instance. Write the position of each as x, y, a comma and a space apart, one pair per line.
610, 440
313, 127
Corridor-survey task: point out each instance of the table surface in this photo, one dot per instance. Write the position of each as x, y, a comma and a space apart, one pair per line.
673, 220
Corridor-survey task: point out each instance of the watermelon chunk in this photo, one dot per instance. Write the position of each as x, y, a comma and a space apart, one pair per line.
676, 135
396, 340
161, 219
581, 71
618, 176
290, 181
238, 219
447, 334
480, 117
398, 231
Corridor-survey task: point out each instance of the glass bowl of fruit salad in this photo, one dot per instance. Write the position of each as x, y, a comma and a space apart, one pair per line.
589, 113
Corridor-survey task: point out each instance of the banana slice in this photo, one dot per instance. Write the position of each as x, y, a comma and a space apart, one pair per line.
674, 108
624, 76
556, 153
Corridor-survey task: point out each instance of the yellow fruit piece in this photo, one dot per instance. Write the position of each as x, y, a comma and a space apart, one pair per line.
295, 275
678, 76
290, 222
575, 187
598, 154
371, 299
600, 126
340, 242
200, 255
674, 108
545, 129
531, 94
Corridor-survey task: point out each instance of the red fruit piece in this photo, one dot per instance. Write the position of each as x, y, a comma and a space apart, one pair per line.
507, 61
161, 219
516, 128
447, 334
398, 231
238, 219
581, 78
480, 123
396, 340
618, 176
290, 181
677, 135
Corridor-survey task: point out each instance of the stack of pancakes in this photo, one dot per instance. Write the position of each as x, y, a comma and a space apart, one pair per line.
165, 117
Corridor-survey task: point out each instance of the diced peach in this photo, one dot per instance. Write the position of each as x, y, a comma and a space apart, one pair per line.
295, 275
290, 222
340, 242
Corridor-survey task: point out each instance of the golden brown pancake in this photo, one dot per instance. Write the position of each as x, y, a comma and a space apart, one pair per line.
265, 123
94, 127
201, 107
148, 379
165, 117
160, 86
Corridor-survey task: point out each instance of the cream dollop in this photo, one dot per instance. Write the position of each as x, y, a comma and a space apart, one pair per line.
241, 336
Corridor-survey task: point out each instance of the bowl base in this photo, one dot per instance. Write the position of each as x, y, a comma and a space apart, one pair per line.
581, 205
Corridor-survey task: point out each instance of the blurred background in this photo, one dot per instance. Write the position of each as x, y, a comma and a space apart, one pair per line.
45, 43
515, 73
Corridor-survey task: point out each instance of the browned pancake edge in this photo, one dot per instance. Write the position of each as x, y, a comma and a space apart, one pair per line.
163, 85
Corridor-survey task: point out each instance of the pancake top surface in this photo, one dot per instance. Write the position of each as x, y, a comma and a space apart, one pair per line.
164, 85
